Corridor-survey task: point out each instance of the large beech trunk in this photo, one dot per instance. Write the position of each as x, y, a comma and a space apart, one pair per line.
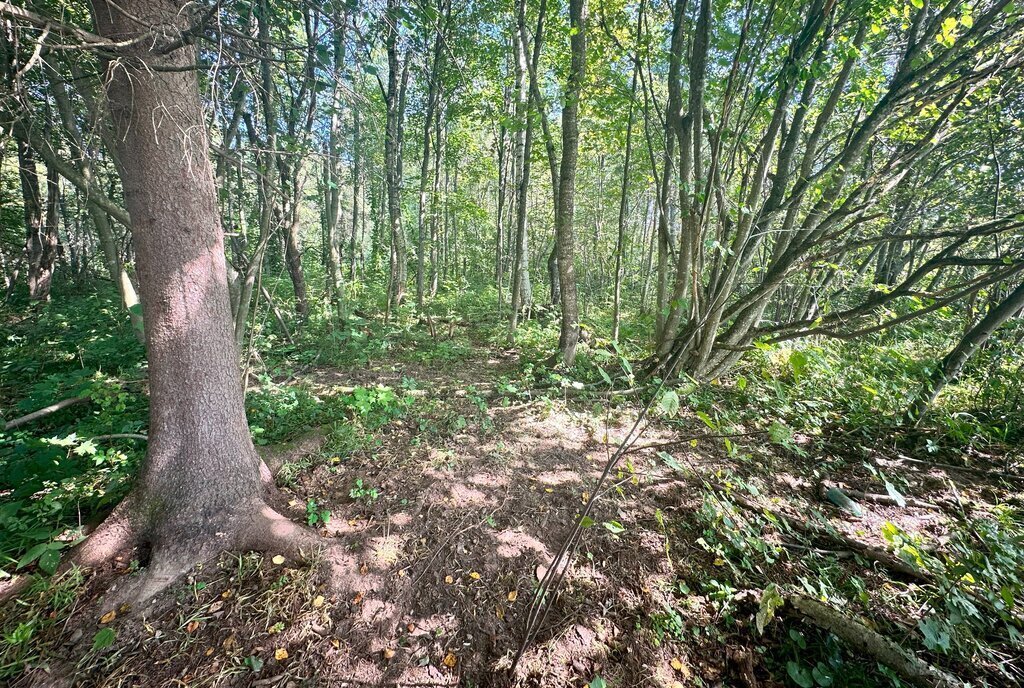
200, 490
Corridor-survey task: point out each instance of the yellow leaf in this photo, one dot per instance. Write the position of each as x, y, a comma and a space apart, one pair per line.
719, 562
226, 594
108, 617
499, 612
209, 651
450, 660
677, 664
278, 559
388, 653
318, 601
449, 580
584, 497
513, 595
474, 575
280, 654
548, 489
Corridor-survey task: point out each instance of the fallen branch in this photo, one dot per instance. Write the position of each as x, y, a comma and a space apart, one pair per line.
882, 498
43, 412
122, 436
869, 642
690, 438
984, 472
884, 557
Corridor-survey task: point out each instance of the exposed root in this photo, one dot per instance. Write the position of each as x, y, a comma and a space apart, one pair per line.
115, 536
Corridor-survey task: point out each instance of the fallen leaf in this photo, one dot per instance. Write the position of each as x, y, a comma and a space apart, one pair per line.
209, 651
719, 562
411, 627
108, 617
318, 601
549, 489
677, 664
388, 653
474, 575
363, 569
192, 627
499, 612
280, 654
336, 643
216, 607
278, 559
230, 643
513, 595
449, 660
449, 580
584, 497
226, 594
358, 598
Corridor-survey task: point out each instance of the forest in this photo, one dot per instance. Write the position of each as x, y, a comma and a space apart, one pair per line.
602, 343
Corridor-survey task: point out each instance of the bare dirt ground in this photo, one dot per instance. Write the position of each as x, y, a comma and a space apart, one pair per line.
439, 569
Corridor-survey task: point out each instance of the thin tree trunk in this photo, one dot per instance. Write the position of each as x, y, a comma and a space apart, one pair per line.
393, 154
956, 359
564, 230
620, 238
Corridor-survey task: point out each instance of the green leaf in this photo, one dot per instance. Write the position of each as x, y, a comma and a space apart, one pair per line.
104, 637
798, 362
897, 497
598, 682
800, 675
936, 637
614, 527
669, 403
670, 461
587, 522
33, 554
49, 560
917, 3
822, 675
86, 448
770, 601
707, 420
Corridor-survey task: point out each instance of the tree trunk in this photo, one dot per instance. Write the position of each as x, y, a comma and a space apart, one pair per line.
200, 489
333, 165
357, 187
433, 88
564, 230
620, 238
392, 156
521, 151
956, 359
40, 231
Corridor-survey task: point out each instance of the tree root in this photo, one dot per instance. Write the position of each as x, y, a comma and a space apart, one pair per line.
873, 644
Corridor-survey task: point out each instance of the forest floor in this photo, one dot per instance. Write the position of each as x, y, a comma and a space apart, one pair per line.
450, 506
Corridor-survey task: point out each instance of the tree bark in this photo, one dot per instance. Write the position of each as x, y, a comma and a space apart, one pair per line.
40, 231
565, 239
200, 489
393, 155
